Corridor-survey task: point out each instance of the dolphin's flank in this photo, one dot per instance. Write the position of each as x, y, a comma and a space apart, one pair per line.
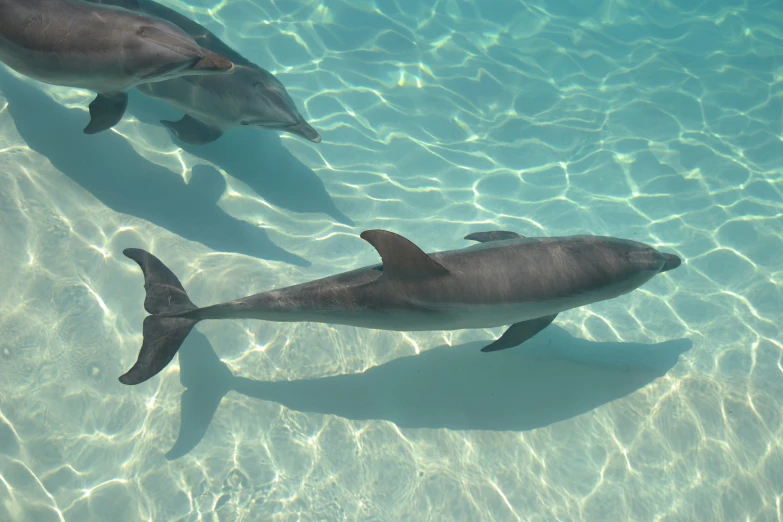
103, 48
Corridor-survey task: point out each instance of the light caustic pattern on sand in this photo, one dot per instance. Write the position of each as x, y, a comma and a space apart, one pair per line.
661, 124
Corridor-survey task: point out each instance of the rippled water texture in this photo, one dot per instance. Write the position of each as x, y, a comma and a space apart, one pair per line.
658, 121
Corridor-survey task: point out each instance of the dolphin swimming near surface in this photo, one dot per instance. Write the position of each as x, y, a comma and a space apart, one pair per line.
507, 279
249, 97
104, 49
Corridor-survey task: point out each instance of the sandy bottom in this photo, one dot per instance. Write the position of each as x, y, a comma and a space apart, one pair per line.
660, 125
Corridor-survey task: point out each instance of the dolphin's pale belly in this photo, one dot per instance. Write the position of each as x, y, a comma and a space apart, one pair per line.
421, 316
90, 83
64, 70
451, 317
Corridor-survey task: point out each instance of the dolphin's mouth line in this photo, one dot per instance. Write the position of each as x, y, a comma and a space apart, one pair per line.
269, 125
300, 129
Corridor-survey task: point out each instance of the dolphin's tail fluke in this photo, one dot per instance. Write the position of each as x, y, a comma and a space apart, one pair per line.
169, 324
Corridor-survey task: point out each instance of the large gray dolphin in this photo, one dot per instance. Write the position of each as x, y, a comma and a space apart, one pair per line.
249, 97
104, 49
507, 279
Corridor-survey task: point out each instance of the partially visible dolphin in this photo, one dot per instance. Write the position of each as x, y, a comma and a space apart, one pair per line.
249, 97
105, 49
508, 279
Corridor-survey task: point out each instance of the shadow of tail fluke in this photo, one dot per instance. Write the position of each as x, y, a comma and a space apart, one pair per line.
206, 379
167, 327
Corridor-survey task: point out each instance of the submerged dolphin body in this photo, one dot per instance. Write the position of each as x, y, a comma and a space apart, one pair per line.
250, 97
105, 49
508, 279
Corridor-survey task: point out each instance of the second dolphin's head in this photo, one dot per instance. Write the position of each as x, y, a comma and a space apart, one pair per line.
267, 105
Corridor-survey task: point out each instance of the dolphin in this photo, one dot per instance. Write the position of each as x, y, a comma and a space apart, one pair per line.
104, 49
249, 97
506, 279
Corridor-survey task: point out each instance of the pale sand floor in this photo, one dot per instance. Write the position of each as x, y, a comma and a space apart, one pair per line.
660, 125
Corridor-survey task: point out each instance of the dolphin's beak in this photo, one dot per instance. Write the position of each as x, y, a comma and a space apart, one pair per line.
304, 130
672, 262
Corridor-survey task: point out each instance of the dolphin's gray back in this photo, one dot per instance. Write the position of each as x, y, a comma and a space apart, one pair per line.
529, 269
203, 36
547, 273
80, 44
50, 26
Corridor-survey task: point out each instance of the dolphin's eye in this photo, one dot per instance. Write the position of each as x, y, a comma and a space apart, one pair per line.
244, 123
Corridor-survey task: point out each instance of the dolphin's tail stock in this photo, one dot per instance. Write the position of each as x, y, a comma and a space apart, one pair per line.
168, 326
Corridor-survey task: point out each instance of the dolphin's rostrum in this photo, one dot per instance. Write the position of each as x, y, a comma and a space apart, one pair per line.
507, 279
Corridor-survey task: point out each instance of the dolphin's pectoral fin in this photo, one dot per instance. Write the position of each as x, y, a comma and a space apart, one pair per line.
190, 130
401, 258
495, 235
106, 111
518, 333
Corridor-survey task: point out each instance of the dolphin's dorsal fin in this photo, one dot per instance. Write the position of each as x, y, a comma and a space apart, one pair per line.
401, 258
494, 235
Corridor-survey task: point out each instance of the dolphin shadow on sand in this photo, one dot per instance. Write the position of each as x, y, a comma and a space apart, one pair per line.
107, 166
554, 377
256, 158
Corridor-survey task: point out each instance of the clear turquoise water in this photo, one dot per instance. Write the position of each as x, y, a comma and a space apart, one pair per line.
656, 121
